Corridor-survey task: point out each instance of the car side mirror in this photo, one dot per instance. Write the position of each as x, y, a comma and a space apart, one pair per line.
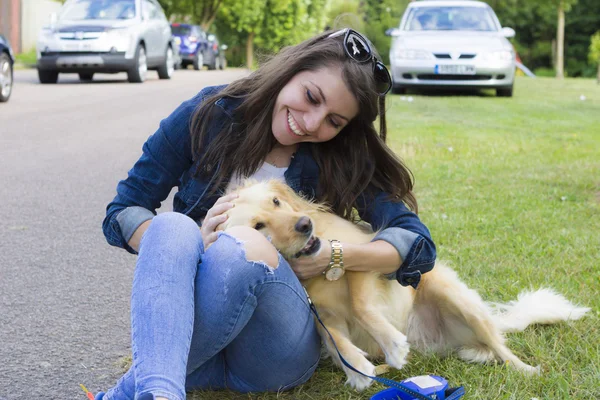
392, 32
223, 47
508, 32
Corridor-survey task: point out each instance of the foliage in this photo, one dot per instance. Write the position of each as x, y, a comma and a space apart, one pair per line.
594, 54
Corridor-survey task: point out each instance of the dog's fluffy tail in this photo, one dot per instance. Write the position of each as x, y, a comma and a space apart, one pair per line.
543, 306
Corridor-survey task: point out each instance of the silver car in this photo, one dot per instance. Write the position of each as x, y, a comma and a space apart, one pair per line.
107, 36
452, 44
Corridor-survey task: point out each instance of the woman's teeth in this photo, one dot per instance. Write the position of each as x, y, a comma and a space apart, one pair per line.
293, 125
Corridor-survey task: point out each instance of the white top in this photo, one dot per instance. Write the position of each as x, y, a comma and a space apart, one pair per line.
264, 173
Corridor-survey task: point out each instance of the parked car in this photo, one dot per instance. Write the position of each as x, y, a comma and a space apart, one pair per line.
192, 43
7, 61
106, 36
216, 55
455, 43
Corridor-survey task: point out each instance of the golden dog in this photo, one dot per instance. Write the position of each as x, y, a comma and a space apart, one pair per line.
373, 317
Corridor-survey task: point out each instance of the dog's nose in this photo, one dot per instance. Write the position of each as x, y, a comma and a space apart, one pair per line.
304, 226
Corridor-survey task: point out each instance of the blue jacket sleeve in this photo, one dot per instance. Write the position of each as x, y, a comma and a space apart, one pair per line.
400, 227
166, 155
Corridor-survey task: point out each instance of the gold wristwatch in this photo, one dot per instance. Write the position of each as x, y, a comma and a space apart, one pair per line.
336, 266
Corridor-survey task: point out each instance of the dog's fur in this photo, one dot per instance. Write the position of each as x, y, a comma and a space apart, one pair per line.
373, 317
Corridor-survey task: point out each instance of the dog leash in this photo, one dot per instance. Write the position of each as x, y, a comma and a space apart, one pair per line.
450, 394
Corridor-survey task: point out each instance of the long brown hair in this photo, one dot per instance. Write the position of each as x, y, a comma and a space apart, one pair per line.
354, 159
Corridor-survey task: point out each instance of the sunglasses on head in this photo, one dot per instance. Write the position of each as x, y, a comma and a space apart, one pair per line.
357, 48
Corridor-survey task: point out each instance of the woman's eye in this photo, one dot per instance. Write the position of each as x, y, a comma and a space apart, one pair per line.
311, 98
276, 201
333, 123
259, 226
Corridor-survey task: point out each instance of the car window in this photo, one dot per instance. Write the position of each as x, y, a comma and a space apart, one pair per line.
181, 30
457, 18
99, 9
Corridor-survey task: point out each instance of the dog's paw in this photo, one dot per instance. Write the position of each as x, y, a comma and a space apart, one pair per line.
357, 381
396, 352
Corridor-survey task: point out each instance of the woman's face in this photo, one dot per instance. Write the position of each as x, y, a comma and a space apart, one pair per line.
314, 106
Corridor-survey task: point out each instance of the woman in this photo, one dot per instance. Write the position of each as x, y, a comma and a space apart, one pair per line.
215, 310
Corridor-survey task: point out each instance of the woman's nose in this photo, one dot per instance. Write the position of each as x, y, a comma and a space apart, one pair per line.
312, 121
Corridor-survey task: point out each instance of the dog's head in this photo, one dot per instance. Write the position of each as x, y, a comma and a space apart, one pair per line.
273, 209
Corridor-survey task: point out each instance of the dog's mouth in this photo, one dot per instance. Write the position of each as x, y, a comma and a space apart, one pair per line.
312, 246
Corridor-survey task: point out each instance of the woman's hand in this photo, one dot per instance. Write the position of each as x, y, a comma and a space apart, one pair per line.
306, 267
215, 217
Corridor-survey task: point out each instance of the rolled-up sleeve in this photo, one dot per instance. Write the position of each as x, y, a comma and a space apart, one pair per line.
403, 229
166, 155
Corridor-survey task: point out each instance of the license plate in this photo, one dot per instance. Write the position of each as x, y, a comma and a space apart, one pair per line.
177, 40
76, 46
455, 69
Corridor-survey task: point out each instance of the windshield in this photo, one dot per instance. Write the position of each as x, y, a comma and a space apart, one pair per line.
179, 30
450, 19
79, 10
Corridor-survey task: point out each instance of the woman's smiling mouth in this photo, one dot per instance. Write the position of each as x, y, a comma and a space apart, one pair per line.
293, 126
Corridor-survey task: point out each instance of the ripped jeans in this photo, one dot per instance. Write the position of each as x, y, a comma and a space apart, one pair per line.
213, 320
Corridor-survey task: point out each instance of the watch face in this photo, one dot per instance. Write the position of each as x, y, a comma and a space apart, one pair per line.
333, 274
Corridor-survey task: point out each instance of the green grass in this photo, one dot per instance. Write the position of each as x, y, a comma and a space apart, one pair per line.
27, 60
510, 189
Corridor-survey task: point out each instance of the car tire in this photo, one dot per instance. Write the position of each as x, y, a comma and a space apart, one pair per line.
137, 73
505, 91
86, 76
398, 90
198, 61
213, 65
6, 77
165, 71
48, 76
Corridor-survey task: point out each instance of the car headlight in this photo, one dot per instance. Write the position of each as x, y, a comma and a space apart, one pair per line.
501, 55
411, 54
118, 32
46, 34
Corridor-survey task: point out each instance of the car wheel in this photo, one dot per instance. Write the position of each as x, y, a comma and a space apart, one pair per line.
505, 92
48, 76
166, 70
213, 65
198, 61
137, 74
398, 90
6, 78
86, 77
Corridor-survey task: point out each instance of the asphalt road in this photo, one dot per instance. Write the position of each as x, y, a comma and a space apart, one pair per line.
64, 292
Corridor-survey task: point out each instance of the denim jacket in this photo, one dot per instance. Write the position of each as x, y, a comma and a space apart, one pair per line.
167, 161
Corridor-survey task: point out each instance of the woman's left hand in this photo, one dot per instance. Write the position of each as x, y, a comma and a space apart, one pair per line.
306, 267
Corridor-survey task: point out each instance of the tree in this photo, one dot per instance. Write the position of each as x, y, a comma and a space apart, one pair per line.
594, 54
201, 12
562, 7
272, 24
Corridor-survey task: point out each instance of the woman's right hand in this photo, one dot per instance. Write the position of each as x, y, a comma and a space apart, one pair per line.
215, 217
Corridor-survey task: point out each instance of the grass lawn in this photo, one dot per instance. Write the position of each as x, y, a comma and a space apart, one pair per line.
510, 189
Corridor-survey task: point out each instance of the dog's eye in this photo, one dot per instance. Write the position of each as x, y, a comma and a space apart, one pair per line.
259, 226
276, 201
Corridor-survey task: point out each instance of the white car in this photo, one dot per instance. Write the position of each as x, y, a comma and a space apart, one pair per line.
107, 36
458, 44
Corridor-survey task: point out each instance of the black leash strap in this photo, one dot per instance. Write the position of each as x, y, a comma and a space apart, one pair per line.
451, 394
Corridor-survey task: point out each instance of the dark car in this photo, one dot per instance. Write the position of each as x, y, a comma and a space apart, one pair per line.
193, 44
216, 55
7, 61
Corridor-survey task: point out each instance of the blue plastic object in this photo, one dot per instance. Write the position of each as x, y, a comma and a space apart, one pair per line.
436, 391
